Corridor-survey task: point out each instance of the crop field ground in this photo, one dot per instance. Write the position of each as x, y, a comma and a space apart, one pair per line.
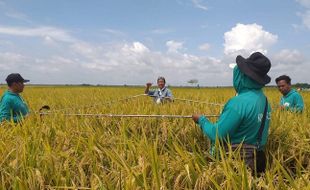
74, 152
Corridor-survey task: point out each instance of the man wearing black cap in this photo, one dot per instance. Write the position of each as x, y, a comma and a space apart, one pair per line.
245, 119
12, 106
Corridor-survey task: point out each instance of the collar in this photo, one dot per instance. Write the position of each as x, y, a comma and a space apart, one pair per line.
292, 91
163, 89
11, 93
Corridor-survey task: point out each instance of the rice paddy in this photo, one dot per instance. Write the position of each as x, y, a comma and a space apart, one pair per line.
74, 152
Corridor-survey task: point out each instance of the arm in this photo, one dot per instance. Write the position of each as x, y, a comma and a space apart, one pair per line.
299, 104
18, 118
19, 109
228, 121
147, 89
7, 111
169, 95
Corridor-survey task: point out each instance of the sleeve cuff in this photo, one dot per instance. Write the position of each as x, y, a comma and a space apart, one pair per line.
201, 120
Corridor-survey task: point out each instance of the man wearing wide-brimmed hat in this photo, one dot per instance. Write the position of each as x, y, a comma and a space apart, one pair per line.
12, 105
244, 121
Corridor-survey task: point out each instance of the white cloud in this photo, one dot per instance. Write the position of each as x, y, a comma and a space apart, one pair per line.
134, 62
130, 63
54, 64
10, 12
204, 47
114, 32
136, 47
48, 40
18, 16
288, 57
290, 62
43, 31
161, 31
10, 57
6, 43
245, 39
11, 60
66, 59
306, 18
85, 49
199, 4
305, 3
173, 46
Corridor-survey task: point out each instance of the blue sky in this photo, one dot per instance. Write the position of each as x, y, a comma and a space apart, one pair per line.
132, 42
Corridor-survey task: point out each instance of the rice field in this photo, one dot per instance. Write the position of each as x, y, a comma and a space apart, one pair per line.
74, 152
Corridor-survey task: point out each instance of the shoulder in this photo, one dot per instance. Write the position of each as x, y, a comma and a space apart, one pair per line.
246, 99
296, 94
7, 100
234, 103
7, 97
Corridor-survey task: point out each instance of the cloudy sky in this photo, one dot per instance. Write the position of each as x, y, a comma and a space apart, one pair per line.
135, 41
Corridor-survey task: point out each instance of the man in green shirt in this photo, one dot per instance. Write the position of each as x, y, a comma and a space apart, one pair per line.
12, 106
291, 99
244, 115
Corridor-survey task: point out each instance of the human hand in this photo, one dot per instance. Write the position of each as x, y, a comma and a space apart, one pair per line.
148, 84
196, 117
282, 107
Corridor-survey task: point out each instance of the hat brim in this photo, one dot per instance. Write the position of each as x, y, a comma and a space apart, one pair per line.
244, 67
25, 80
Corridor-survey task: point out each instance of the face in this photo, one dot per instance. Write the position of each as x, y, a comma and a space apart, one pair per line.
18, 87
283, 87
161, 83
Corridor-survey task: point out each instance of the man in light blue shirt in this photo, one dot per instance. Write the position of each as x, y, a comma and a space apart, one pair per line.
291, 99
12, 105
162, 94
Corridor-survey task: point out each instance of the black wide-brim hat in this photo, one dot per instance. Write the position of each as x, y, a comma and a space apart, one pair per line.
256, 67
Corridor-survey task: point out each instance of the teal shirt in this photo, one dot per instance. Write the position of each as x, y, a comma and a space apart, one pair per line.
292, 101
241, 117
12, 106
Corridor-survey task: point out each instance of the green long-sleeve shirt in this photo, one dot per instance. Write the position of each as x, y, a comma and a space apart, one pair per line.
292, 101
12, 106
242, 115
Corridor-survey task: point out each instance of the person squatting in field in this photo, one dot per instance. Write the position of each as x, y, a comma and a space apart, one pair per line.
160, 95
291, 99
244, 121
12, 105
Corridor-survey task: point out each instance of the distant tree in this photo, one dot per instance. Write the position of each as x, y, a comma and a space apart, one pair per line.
193, 81
86, 84
301, 85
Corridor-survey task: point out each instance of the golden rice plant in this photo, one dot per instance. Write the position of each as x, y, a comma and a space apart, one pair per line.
73, 152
